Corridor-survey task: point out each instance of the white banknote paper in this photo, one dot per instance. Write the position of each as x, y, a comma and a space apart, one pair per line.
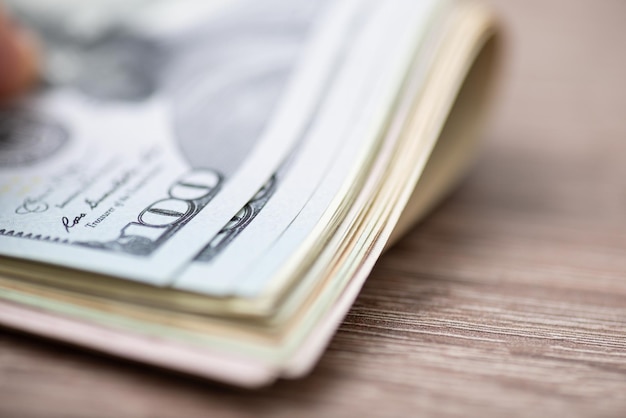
272, 226
147, 140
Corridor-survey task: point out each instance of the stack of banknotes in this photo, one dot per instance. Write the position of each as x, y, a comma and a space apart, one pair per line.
205, 186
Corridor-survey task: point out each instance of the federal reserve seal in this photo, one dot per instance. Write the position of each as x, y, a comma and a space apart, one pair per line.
27, 138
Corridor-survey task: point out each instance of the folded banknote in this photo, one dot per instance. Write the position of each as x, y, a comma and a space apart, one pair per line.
205, 186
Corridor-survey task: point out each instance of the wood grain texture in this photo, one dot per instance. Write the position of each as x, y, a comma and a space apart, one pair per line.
510, 300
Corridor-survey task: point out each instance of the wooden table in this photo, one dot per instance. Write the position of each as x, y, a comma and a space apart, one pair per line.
509, 300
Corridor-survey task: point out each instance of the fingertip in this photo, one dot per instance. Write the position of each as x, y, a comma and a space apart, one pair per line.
18, 60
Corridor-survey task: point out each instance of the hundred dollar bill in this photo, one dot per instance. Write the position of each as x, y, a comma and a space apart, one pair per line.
157, 123
262, 220
287, 210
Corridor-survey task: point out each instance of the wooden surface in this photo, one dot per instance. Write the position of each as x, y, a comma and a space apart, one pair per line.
509, 300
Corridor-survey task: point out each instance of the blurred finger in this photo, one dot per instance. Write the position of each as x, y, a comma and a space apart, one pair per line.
18, 58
